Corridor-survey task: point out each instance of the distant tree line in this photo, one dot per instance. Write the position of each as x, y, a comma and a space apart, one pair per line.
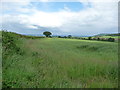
100, 39
48, 34
117, 34
69, 36
89, 38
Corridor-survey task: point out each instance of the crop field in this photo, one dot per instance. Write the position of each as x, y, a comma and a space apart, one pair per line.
110, 36
59, 63
0, 60
115, 37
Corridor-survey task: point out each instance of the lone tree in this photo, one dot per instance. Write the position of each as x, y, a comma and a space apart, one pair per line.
47, 33
69, 36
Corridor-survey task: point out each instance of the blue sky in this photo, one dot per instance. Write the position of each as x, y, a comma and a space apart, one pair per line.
61, 18
57, 6
48, 6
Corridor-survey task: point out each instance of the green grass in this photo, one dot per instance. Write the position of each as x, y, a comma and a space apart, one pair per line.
62, 63
0, 59
0, 34
115, 37
110, 36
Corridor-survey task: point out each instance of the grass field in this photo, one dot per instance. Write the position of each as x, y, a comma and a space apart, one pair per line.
115, 37
62, 63
0, 60
111, 36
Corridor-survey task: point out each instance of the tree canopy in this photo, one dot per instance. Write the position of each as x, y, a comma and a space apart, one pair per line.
47, 33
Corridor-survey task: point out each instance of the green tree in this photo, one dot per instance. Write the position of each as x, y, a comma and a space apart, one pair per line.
111, 39
69, 36
47, 33
89, 38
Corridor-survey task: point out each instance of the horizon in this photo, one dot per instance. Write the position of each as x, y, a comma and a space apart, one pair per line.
61, 18
55, 35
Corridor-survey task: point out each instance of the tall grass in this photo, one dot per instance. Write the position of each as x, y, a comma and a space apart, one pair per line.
0, 60
61, 63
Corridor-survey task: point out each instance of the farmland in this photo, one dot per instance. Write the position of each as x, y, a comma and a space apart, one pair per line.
59, 63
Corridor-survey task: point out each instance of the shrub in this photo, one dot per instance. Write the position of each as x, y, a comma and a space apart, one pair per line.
9, 43
98, 39
65, 37
69, 36
111, 39
59, 36
89, 38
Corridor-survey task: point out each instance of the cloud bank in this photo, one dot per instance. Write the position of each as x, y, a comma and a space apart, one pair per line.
94, 18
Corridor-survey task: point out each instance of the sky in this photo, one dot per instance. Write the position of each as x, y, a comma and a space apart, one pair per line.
61, 17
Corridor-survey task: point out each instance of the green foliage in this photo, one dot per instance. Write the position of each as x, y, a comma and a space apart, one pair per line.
98, 39
47, 33
111, 39
89, 38
59, 36
69, 36
9, 43
117, 34
61, 63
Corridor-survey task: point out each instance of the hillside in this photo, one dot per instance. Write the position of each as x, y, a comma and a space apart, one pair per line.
113, 34
58, 63
0, 59
116, 34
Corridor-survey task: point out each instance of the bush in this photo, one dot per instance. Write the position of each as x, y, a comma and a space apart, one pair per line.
98, 39
111, 39
59, 36
69, 36
9, 44
89, 38
65, 37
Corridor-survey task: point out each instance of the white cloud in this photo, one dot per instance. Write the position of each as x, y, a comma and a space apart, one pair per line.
60, 0
99, 18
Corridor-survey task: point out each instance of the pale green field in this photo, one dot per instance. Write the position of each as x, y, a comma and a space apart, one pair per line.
62, 63
0, 34
110, 36
0, 60
105, 37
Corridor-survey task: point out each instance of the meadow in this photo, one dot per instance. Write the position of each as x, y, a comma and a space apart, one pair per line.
58, 63
105, 37
110, 36
0, 60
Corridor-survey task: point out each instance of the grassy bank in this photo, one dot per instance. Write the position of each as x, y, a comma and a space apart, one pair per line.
60, 63
0, 59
